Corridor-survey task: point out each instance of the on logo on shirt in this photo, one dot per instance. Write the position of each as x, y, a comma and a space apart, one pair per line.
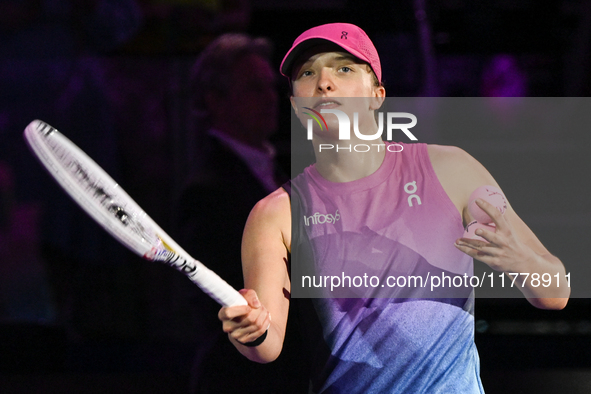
411, 188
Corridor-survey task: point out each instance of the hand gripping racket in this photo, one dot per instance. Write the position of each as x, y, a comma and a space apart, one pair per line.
107, 203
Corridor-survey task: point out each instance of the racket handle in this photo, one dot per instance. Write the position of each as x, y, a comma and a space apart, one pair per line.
216, 287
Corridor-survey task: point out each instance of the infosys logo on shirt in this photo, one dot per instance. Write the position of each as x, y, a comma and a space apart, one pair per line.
319, 218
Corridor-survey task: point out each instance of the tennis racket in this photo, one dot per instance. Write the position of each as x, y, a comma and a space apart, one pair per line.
111, 207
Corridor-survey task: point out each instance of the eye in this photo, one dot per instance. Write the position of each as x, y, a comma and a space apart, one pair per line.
303, 73
346, 69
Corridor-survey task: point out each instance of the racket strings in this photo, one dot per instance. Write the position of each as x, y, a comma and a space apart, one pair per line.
87, 183
107, 203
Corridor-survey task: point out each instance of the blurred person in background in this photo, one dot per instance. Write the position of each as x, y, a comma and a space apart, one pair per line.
236, 104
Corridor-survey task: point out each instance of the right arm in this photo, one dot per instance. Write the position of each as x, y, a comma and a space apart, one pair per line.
266, 245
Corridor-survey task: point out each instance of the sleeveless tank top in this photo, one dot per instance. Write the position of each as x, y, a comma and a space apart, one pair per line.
377, 332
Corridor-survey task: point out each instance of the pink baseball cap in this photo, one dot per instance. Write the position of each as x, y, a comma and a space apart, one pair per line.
349, 37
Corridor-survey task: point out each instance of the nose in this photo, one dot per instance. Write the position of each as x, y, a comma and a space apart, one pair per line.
325, 82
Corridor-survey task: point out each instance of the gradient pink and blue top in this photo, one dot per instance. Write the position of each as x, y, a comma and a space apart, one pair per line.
378, 337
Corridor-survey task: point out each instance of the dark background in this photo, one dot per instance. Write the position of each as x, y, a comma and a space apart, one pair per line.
80, 313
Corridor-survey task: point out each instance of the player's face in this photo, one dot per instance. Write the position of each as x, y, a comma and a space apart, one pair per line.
328, 78
332, 73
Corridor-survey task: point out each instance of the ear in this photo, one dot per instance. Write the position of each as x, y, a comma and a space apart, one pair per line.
378, 99
380, 91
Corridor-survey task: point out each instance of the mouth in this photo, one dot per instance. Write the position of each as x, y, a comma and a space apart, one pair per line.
326, 104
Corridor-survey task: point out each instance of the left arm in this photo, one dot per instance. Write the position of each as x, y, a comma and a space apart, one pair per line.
513, 248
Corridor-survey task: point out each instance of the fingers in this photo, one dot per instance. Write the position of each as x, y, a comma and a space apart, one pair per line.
251, 332
485, 237
502, 250
245, 323
493, 212
473, 247
477, 248
490, 236
251, 297
233, 312
492, 252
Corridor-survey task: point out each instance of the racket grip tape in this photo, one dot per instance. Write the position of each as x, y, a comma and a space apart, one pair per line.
216, 287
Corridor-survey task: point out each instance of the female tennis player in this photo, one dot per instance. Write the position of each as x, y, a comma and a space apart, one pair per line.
365, 344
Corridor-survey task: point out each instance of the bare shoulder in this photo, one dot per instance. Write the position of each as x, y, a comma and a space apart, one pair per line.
271, 217
458, 172
454, 161
273, 204
450, 157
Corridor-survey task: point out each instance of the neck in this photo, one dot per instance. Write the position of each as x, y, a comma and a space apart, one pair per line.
349, 160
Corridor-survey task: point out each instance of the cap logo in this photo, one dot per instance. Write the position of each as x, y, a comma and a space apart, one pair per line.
344, 35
